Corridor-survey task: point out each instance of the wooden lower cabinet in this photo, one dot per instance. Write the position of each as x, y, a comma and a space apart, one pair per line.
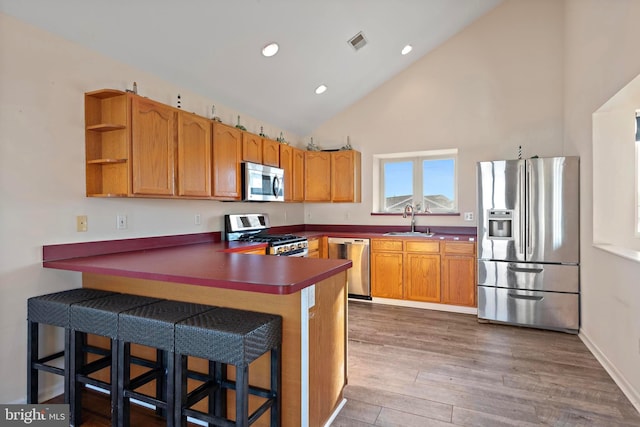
386, 274
424, 270
422, 277
459, 274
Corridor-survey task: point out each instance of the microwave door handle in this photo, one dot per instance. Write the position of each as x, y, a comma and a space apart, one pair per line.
276, 186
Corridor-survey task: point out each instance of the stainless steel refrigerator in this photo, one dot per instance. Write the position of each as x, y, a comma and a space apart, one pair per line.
529, 242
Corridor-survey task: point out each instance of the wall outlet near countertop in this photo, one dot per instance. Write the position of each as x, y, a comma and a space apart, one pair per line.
82, 223
121, 222
468, 216
197, 219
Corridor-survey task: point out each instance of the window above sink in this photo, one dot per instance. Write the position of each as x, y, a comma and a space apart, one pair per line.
427, 179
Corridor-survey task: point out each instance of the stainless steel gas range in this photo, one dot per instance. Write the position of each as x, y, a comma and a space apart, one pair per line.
255, 228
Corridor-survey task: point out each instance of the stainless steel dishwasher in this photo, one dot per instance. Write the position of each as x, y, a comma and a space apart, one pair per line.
356, 250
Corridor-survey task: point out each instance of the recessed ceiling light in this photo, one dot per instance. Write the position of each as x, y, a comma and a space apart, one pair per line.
408, 48
270, 49
321, 89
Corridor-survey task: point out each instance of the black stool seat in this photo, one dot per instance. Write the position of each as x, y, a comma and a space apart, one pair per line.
151, 325
99, 317
52, 309
229, 337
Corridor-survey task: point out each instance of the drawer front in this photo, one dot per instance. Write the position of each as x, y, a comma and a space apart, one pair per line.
314, 244
460, 248
529, 276
424, 246
547, 310
386, 245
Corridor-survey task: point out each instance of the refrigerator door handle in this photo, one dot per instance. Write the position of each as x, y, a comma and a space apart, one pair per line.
523, 218
528, 202
524, 270
525, 297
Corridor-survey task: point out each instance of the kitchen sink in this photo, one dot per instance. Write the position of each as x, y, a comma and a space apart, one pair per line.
409, 234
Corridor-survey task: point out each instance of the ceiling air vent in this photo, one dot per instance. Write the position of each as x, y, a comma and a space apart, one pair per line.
358, 41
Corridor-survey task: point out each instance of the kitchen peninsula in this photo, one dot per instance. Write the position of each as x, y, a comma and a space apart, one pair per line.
309, 294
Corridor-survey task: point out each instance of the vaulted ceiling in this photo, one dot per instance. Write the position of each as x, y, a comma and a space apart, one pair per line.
213, 47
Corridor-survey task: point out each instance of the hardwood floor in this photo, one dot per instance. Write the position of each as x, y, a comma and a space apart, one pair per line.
412, 367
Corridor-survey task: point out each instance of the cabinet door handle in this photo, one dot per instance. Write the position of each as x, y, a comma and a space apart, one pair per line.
525, 297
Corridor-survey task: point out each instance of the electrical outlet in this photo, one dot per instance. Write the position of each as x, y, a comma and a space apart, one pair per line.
197, 219
81, 223
121, 222
468, 216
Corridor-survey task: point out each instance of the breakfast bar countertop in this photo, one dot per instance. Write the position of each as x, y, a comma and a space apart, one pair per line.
212, 264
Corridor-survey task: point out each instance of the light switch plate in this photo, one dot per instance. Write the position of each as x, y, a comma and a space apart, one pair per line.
468, 216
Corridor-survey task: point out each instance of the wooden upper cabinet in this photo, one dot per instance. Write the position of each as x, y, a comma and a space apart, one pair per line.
292, 162
227, 155
153, 146
317, 176
270, 152
298, 175
107, 143
251, 148
194, 155
345, 176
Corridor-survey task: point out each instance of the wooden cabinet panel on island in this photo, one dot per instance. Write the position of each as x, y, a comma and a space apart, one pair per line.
345, 176
270, 152
107, 143
153, 127
227, 155
459, 273
292, 162
317, 176
194, 155
251, 148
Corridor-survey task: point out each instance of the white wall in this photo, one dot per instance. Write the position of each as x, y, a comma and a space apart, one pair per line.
601, 58
492, 87
42, 82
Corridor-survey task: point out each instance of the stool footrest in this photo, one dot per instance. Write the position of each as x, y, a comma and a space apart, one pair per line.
144, 378
200, 392
159, 404
95, 366
211, 419
50, 357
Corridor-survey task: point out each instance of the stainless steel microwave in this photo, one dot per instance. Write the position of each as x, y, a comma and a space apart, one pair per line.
262, 183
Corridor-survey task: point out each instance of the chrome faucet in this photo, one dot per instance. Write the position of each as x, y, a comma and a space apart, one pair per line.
410, 209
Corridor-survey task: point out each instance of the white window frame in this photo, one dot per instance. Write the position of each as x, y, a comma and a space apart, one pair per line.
637, 228
417, 157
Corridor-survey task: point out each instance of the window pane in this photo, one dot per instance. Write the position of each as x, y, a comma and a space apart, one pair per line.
438, 185
398, 185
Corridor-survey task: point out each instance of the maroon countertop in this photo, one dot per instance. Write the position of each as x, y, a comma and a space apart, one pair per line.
214, 264
204, 260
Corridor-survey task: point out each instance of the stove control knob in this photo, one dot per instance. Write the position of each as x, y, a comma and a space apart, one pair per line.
292, 247
280, 249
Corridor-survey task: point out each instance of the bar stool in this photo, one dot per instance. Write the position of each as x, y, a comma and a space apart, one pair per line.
52, 309
151, 325
227, 336
98, 317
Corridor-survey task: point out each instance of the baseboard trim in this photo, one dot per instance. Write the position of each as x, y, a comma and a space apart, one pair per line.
627, 389
335, 413
424, 305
